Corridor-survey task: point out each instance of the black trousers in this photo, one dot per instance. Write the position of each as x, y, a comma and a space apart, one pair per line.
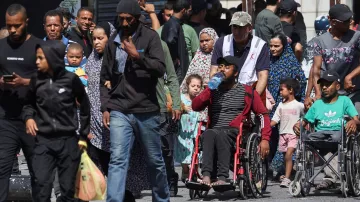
62, 153
168, 129
12, 137
217, 145
100, 157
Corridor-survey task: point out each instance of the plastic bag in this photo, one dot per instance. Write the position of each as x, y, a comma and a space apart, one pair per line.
90, 182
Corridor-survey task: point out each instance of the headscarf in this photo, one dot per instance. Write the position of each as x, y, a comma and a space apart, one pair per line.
101, 138
285, 66
106, 27
201, 62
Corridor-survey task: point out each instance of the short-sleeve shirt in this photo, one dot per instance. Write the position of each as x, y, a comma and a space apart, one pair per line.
328, 116
341, 56
262, 63
267, 25
288, 114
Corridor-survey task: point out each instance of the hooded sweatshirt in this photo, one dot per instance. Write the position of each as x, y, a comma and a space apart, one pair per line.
51, 100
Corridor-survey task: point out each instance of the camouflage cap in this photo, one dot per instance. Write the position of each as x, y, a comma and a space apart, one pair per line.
240, 19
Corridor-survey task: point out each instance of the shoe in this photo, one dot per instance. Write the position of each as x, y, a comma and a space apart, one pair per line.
173, 185
285, 183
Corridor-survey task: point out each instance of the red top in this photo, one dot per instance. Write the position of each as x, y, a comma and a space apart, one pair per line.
200, 102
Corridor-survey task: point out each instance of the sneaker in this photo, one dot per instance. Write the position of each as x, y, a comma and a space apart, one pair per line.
285, 183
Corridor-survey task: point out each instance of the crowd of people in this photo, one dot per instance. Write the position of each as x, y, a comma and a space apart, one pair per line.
131, 91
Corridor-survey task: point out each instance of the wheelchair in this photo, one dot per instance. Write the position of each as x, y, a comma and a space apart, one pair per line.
348, 153
249, 170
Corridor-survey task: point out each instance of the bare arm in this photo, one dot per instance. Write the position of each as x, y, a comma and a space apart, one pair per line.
310, 82
262, 81
213, 70
298, 51
273, 123
316, 74
155, 24
348, 86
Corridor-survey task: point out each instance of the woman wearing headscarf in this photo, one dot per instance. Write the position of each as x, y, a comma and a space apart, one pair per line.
201, 62
283, 64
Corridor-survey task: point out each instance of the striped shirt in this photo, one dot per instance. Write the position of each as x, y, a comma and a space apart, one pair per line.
226, 105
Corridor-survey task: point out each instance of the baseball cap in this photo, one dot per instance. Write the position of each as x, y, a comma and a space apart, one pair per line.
229, 60
340, 12
241, 19
288, 6
198, 6
329, 75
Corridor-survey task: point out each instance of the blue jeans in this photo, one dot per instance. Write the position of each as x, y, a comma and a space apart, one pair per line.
123, 130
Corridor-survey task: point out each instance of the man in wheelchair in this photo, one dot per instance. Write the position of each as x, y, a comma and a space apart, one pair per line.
228, 105
326, 115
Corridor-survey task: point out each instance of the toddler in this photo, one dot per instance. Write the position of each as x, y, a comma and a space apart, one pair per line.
288, 113
188, 124
75, 62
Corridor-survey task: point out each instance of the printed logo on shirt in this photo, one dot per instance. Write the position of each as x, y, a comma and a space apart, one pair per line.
15, 59
61, 90
330, 114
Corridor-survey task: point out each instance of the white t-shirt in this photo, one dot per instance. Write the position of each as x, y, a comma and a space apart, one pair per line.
288, 114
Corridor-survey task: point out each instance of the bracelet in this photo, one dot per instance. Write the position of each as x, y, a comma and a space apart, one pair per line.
149, 12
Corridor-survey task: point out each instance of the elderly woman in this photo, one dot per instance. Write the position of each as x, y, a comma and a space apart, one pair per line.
283, 64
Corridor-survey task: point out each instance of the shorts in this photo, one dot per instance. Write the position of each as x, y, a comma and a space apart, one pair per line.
287, 141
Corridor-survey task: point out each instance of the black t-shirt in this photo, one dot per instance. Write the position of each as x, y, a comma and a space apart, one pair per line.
290, 31
20, 59
197, 26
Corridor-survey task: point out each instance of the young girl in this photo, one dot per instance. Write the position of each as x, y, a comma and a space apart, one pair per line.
189, 124
288, 113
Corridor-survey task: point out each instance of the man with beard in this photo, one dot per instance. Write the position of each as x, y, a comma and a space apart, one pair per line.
229, 105
181, 39
252, 52
133, 62
82, 33
17, 65
337, 50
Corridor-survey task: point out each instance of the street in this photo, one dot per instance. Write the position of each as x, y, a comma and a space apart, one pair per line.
274, 193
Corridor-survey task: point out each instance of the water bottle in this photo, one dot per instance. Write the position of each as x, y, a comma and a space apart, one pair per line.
216, 80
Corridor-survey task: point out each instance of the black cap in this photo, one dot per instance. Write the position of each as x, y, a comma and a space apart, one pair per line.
129, 6
340, 12
288, 6
229, 60
329, 75
198, 5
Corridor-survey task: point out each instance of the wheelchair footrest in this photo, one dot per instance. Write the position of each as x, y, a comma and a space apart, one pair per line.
197, 186
224, 187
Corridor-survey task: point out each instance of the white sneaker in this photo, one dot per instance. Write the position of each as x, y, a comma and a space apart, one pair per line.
285, 183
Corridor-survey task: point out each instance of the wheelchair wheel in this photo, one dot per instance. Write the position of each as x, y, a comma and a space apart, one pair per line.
309, 172
197, 194
242, 189
256, 168
352, 166
295, 188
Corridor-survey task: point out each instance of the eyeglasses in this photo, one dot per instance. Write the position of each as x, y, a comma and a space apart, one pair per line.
128, 19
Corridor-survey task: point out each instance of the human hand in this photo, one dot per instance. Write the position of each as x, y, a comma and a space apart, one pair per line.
82, 144
106, 119
296, 128
348, 85
308, 102
187, 108
31, 127
92, 27
107, 84
130, 48
351, 127
176, 114
148, 8
264, 148
17, 81
90, 136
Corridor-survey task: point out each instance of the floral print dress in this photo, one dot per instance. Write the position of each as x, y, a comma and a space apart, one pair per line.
188, 130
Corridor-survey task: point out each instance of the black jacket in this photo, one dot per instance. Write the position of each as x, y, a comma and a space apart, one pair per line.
51, 101
173, 35
134, 90
85, 41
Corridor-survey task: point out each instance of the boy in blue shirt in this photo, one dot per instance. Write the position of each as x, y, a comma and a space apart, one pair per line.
75, 63
326, 114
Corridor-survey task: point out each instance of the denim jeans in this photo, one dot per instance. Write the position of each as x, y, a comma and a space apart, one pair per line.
123, 130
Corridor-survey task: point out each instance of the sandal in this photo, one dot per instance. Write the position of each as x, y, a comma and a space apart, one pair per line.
325, 185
